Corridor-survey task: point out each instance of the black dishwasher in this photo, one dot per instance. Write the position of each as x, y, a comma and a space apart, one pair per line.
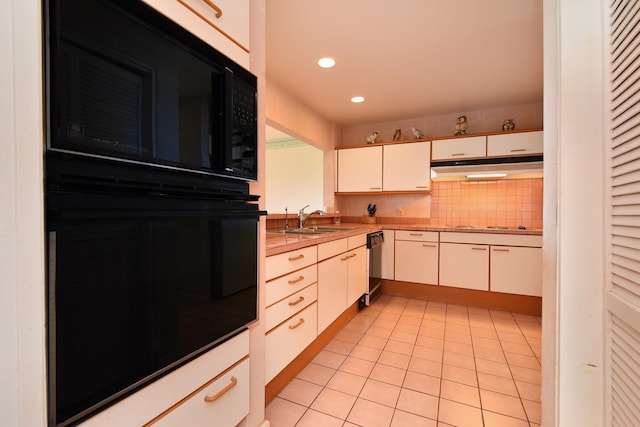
374, 268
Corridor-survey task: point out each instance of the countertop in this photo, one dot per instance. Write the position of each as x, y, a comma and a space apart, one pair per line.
283, 242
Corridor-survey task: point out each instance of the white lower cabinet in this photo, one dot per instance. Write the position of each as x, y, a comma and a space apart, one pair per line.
464, 266
356, 274
516, 270
416, 256
285, 342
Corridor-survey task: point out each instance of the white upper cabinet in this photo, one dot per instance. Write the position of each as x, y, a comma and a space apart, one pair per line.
224, 24
360, 169
515, 144
459, 148
407, 167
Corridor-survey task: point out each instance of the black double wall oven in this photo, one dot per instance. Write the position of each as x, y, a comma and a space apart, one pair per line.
152, 232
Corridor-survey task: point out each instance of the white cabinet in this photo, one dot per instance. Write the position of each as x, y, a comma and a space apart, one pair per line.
459, 148
416, 256
516, 270
224, 24
388, 255
291, 313
360, 169
464, 265
407, 167
342, 277
515, 144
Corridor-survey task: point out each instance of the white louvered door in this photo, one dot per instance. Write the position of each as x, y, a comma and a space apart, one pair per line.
622, 297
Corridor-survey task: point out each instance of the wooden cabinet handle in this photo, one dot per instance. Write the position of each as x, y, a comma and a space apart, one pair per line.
222, 392
296, 302
457, 154
500, 250
429, 246
300, 322
518, 150
478, 249
374, 188
294, 281
422, 186
214, 7
415, 234
296, 258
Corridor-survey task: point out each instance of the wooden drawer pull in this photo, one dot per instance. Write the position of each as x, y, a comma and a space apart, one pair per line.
478, 249
518, 150
415, 234
375, 188
500, 250
345, 258
422, 186
457, 154
429, 246
300, 322
294, 281
296, 258
222, 392
298, 301
214, 7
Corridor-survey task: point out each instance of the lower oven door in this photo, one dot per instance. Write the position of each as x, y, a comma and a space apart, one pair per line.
139, 285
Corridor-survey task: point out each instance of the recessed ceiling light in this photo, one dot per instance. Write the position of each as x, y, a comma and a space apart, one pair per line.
326, 62
357, 99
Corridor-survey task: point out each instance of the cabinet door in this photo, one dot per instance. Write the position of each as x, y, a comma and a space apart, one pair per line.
407, 167
356, 274
464, 266
388, 255
417, 262
515, 144
332, 289
360, 169
516, 270
459, 148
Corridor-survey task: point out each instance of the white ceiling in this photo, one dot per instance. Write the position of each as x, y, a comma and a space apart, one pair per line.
408, 58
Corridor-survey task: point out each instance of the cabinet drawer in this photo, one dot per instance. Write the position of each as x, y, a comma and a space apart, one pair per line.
278, 265
356, 241
417, 236
284, 286
333, 248
224, 399
459, 148
285, 342
515, 144
289, 306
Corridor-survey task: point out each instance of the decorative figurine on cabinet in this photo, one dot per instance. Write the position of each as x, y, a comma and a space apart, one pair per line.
397, 135
508, 125
372, 137
417, 133
461, 126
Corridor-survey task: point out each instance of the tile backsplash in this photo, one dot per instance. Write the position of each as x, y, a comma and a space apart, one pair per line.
501, 203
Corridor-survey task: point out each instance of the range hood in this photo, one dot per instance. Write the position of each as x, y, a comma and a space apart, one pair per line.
487, 168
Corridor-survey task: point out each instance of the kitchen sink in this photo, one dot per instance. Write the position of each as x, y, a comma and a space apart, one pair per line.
310, 230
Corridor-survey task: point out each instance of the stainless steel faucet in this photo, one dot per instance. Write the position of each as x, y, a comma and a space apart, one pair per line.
302, 218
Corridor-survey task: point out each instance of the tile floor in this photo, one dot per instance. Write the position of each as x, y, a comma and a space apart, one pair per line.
409, 362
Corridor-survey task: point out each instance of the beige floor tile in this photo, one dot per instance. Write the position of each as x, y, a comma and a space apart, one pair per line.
329, 359
379, 392
459, 337
283, 413
534, 411
407, 327
515, 338
460, 393
433, 323
334, 403
357, 366
424, 366
388, 374
338, 346
384, 324
372, 341
316, 374
485, 333
379, 332
491, 419
418, 403
411, 318
370, 414
457, 328
399, 347
428, 353
403, 337
497, 383
394, 359
489, 354
456, 347
530, 362
300, 392
313, 418
348, 336
525, 374
422, 383
486, 343
529, 391
431, 342
346, 383
460, 360
458, 414
406, 419
494, 368
366, 352
459, 375
502, 404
